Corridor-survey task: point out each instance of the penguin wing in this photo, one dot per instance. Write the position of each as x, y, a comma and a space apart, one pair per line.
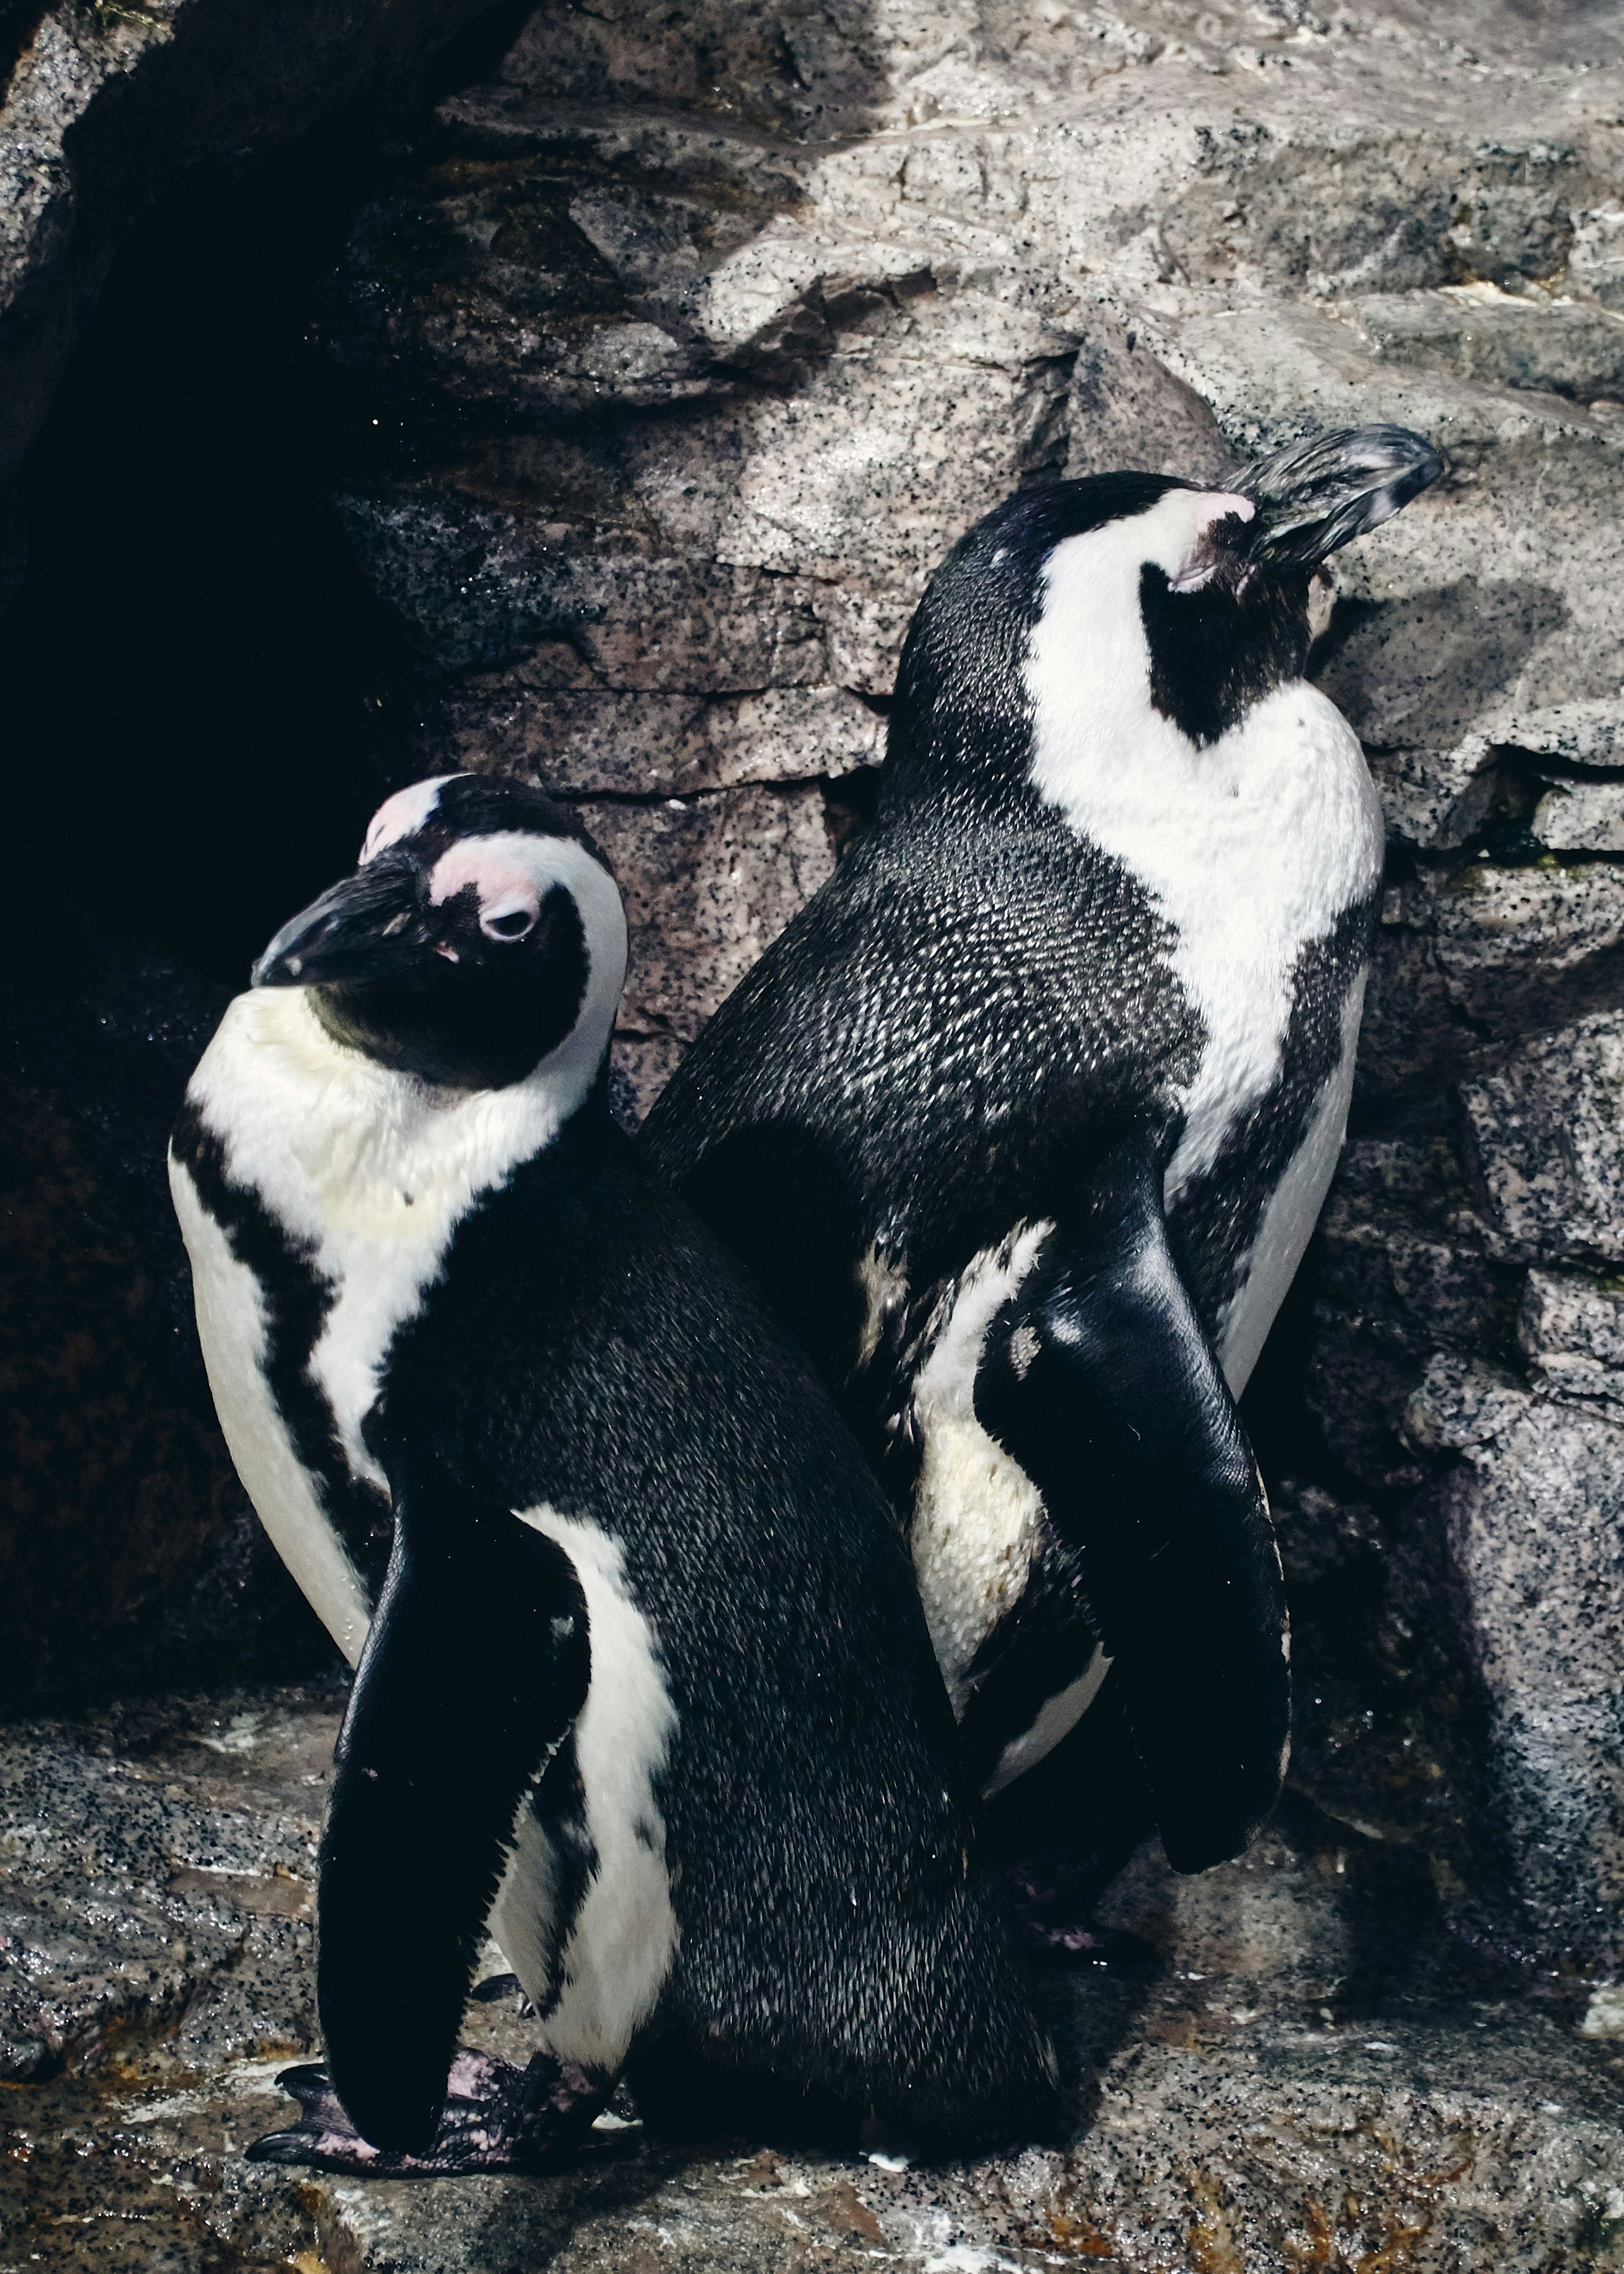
1099, 1381
476, 1666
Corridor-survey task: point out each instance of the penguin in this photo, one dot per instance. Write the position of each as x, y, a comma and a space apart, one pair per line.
1024, 1122
642, 1684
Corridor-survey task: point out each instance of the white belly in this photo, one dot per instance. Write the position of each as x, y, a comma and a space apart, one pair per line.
231, 1328
976, 1512
623, 1940
1270, 1264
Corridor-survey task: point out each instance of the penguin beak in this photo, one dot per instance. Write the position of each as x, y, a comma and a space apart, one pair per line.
1316, 495
369, 926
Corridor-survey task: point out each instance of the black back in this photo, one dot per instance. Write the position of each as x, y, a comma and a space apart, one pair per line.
961, 1023
589, 1346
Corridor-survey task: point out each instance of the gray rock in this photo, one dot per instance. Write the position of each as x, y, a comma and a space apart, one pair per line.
708, 882
1437, 800
1304, 2075
1571, 1331
1530, 1518
619, 742
1582, 817
1477, 331
1544, 1126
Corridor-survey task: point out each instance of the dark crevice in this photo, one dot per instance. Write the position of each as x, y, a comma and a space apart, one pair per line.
203, 701
849, 801
20, 23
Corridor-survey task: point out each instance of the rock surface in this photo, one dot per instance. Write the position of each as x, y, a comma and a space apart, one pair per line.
1310, 2072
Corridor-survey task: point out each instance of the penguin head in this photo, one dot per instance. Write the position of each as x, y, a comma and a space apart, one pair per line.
1134, 596
481, 939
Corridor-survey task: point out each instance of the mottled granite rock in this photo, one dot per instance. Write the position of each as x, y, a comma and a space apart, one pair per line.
1544, 1126
1309, 2073
1538, 1553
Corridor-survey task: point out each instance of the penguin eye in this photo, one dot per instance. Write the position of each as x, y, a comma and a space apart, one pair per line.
507, 923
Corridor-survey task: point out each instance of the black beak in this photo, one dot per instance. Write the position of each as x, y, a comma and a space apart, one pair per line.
1316, 495
371, 926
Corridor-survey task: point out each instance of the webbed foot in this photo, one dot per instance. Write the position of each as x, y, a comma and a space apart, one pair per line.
1051, 1912
497, 2118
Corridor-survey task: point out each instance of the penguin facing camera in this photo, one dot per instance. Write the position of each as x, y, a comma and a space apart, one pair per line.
646, 1689
1024, 1123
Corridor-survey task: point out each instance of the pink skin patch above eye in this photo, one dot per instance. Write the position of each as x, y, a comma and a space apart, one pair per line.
504, 888
1206, 510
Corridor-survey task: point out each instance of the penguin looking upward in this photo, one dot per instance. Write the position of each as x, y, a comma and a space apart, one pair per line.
1024, 1122
646, 1687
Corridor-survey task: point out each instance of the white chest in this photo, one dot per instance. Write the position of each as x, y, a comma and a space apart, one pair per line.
975, 1512
232, 1327
1249, 850
369, 1171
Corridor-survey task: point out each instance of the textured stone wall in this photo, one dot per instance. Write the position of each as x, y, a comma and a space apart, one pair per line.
671, 355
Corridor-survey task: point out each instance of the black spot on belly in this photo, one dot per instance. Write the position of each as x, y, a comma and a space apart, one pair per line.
559, 1806
297, 1299
1215, 1220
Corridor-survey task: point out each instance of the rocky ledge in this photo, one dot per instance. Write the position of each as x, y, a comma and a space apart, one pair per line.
1310, 2072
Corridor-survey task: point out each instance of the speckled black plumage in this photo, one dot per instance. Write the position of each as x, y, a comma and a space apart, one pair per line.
588, 1346
968, 1023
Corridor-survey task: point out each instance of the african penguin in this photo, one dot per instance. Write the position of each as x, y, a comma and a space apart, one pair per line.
645, 1686
1025, 1121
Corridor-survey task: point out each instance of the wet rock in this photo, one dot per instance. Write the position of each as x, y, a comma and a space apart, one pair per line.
158, 1868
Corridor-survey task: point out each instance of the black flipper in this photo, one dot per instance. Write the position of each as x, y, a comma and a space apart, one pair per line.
476, 1665
1098, 1379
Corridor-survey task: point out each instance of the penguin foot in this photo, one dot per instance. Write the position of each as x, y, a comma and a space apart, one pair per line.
497, 2118
1050, 1914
